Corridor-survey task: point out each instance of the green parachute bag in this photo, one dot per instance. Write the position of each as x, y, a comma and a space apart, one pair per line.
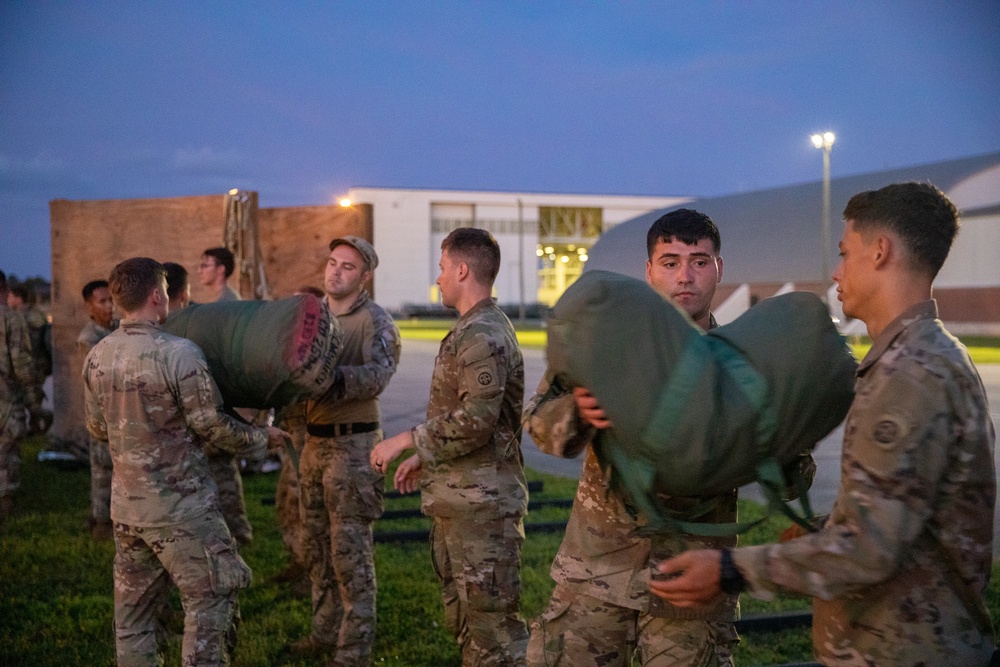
264, 354
696, 413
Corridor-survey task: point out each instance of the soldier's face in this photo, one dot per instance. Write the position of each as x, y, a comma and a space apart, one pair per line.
210, 272
100, 307
447, 280
346, 272
686, 274
855, 271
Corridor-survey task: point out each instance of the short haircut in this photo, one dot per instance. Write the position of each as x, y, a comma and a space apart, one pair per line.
223, 257
685, 225
91, 287
132, 280
478, 249
177, 279
920, 214
311, 289
24, 293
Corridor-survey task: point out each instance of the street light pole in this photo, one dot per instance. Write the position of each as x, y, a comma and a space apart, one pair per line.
825, 141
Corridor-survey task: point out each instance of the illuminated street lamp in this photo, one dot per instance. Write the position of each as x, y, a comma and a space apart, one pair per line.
825, 141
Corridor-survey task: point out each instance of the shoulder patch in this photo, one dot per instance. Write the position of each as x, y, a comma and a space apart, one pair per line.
888, 430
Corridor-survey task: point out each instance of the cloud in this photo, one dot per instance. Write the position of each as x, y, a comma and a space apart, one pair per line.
205, 158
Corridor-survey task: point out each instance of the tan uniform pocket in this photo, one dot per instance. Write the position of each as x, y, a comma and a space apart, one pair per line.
227, 569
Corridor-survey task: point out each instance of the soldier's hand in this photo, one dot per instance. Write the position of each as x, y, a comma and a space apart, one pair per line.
276, 438
689, 579
387, 451
590, 411
407, 477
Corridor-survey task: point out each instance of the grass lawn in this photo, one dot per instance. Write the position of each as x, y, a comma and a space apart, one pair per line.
56, 605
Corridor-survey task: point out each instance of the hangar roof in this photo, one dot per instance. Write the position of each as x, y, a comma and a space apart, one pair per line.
773, 235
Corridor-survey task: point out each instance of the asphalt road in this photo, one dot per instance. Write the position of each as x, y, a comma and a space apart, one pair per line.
404, 404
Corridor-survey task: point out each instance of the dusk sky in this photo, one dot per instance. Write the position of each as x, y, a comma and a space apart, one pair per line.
300, 101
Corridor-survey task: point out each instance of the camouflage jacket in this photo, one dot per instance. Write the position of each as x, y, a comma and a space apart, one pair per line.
368, 359
93, 333
18, 383
899, 570
602, 554
150, 395
470, 445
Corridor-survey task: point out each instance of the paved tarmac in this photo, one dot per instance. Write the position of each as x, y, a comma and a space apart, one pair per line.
404, 404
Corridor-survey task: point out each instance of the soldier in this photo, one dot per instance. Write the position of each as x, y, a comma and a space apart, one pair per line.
178, 286
167, 522
468, 462
222, 463
97, 298
217, 264
18, 390
22, 299
286, 495
898, 571
340, 494
601, 611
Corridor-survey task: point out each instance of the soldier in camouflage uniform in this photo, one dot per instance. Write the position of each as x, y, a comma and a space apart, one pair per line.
150, 395
601, 611
468, 462
22, 299
340, 495
18, 390
899, 570
97, 298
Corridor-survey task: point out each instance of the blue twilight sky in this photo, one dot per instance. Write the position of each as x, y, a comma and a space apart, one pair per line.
301, 100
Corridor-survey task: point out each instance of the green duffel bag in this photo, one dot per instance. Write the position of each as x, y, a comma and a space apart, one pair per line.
696, 413
264, 354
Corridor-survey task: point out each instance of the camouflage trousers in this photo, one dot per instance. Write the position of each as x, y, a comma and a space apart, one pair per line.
341, 496
201, 558
478, 563
286, 500
225, 470
577, 630
12, 429
100, 482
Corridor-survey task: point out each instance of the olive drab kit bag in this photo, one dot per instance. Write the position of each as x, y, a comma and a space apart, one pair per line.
699, 413
264, 354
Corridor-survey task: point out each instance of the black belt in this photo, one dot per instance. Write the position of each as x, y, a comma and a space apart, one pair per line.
337, 430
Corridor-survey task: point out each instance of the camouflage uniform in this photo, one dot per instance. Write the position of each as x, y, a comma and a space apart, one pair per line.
472, 484
224, 467
41, 342
99, 455
899, 570
601, 610
150, 395
340, 493
286, 495
18, 391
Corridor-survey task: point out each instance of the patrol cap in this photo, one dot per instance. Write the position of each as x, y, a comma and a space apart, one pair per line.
361, 245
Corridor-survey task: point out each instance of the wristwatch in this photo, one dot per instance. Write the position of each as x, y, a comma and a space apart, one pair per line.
731, 580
